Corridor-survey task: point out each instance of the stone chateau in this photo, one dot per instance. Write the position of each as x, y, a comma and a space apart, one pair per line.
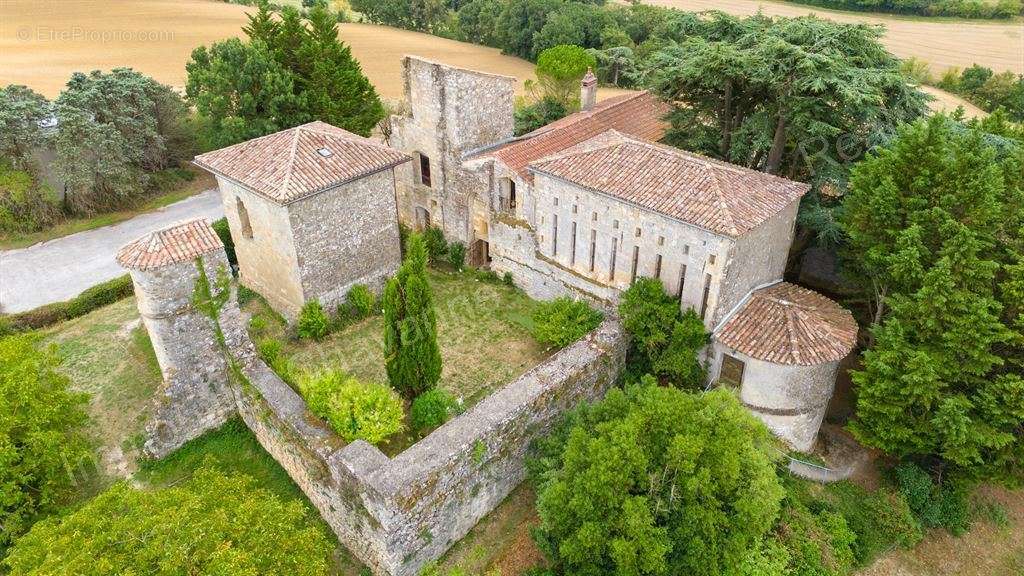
580, 207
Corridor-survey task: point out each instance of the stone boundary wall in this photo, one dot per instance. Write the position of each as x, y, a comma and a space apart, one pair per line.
397, 514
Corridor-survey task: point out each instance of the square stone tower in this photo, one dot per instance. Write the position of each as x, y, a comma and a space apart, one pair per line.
452, 111
312, 212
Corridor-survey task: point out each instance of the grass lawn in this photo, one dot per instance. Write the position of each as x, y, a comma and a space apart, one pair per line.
482, 327
200, 182
107, 353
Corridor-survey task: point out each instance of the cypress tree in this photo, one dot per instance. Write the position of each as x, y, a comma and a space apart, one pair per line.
412, 357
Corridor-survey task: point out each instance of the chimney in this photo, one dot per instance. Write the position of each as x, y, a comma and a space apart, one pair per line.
588, 91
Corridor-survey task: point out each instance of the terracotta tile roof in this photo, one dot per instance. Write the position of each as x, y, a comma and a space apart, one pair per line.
298, 162
180, 243
714, 195
637, 114
786, 324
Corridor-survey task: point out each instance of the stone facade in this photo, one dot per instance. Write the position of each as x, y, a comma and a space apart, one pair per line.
451, 112
316, 247
791, 400
194, 396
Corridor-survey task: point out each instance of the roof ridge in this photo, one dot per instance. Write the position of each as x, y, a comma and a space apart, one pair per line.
726, 210
289, 167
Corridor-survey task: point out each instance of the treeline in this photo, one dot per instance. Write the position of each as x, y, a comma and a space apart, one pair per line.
114, 137
1001, 9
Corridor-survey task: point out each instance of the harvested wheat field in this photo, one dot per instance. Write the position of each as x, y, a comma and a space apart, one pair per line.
43, 41
942, 42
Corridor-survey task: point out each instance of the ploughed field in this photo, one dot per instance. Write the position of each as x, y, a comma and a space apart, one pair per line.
941, 42
43, 41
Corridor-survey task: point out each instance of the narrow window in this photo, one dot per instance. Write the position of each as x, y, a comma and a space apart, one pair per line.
704, 299
593, 248
611, 265
572, 253
657, 267
636, 260
593, 217
711, 259
574, 208
554, 234
507, 195
243, 218
424, 169
682, 282
615, 224
637, 232
661, 240
731, 372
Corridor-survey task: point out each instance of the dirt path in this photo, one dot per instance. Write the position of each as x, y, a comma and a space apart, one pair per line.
940, 42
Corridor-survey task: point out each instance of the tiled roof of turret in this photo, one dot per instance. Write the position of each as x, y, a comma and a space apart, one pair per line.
298, 162
180, 243
713, 195
786, 324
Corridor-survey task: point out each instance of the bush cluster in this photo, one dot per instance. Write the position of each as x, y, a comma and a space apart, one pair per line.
986, 89
934, 505
431, 409
1000, 9
96, 297
224, 233
356, 410
665, 341
562, 321
313, 322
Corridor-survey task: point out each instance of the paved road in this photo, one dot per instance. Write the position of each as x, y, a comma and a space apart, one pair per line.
62, 268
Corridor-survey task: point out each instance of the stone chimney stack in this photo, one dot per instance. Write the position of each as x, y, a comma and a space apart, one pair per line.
588, 91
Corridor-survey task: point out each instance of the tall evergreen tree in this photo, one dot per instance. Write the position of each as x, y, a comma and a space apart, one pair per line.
934, 227
411, 354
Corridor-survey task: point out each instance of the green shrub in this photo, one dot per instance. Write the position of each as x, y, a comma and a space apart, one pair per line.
257, 324
41, 441
431, 409
246, 295
508, 279
213, 523
313, 321
96, 297
935, 506
355, 410
25, 204
224, 232
562, 321
270, 351
437, 246
457, 255
361, 300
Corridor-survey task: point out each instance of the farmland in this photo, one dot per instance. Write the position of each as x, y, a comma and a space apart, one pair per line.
943, 43
43, 41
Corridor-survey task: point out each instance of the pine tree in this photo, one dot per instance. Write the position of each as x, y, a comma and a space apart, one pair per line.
933, 222
412, 357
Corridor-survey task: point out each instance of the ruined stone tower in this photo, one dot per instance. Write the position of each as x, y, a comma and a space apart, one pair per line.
164, 266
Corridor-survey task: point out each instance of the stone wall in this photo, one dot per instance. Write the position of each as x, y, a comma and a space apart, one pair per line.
397, 514
790, 400
452, 111
267, 262
194, 396
346, 236
758, 257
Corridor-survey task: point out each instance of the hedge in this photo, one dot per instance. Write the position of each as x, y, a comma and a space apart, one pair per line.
47, 315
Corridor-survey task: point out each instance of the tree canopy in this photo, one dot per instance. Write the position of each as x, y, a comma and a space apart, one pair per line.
559, 72
795, 96
287, 73
654, 480
22, 110
213, 524
934, 226
41, 446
